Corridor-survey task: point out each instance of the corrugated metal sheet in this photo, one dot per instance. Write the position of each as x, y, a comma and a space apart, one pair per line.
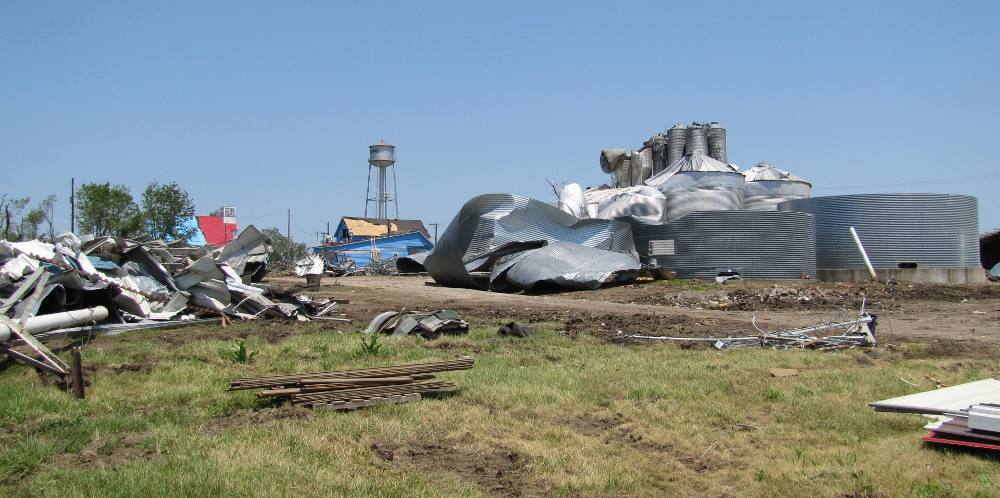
757, 244
932, 230
951, 399
493, 230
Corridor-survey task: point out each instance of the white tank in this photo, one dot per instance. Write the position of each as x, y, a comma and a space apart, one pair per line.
698, 183
766, 186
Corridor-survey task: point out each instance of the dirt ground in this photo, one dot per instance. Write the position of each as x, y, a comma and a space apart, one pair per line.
952, 318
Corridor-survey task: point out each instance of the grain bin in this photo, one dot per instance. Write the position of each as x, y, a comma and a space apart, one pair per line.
767, 186
697, 140
698, 183
717, 142
912, 237
676, 137
756, 244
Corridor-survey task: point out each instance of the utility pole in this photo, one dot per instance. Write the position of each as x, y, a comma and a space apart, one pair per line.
326, 235
288, 234
435, 232
72, 205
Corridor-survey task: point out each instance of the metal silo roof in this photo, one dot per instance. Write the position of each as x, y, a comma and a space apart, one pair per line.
764, 171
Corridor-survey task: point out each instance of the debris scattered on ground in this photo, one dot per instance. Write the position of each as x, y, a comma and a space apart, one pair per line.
969, 414
351, 389
108, 284
427, 324
852, 333
783, 372
514, 329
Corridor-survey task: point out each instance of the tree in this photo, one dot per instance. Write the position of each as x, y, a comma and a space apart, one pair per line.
30, 222
48, 207
283, 248
106, 209
10, 213
167, 209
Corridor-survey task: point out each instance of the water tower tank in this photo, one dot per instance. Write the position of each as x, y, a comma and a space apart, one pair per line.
381, 155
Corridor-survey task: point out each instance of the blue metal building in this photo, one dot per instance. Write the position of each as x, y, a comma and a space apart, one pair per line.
362, 251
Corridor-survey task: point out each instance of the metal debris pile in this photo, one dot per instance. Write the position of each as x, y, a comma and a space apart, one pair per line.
827, 336
374, 267
351, 389
505, 242
107, 285
427, 324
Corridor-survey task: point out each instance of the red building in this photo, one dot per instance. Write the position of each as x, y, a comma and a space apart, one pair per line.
219, 230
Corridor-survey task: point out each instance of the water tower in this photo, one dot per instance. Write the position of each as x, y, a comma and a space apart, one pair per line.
382, 156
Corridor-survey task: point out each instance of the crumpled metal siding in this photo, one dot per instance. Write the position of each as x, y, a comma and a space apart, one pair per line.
757, 244
932, 230
489, 228
765, 195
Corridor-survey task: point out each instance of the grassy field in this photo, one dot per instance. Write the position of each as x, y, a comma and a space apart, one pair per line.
548, 415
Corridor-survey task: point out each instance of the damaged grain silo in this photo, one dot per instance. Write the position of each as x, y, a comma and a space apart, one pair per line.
698, 183
631, 168
767, 186
908, 237
753, 244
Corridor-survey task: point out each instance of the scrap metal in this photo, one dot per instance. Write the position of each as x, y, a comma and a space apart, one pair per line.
107, 284
856, 332
508, 242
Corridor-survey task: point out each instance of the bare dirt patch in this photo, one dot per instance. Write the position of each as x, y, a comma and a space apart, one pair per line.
256, 417
498, 471
616, 429
110, 452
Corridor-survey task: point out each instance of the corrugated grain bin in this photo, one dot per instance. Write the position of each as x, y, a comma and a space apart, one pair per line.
767, 186
757, 244
918, 237
698, 183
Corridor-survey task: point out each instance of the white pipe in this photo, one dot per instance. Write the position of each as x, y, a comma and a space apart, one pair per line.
864, 255
52, 321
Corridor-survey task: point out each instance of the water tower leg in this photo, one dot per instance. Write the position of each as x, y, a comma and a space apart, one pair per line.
395, 193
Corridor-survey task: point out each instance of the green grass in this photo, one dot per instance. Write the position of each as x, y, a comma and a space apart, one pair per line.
581, 416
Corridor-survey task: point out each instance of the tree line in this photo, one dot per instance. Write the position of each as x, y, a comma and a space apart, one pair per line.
163, 212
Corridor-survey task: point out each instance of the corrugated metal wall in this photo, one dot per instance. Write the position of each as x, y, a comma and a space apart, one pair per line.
932, 230
758, 244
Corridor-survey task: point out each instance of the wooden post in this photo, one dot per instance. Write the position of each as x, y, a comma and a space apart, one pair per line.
77, 372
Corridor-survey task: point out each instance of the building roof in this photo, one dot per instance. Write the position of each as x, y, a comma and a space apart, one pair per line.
375, 227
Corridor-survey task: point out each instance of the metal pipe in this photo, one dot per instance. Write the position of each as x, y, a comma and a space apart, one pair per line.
864, 255
52, 321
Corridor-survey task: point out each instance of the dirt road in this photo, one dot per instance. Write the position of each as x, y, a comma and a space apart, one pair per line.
964, 314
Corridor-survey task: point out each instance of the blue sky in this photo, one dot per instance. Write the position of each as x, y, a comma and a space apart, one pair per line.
270, 106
